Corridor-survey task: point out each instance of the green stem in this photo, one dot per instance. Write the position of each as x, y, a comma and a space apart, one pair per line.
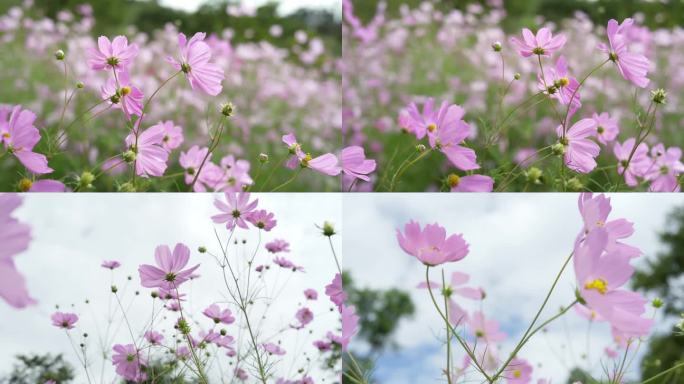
448, 332
671, 369
572, 97
291, 179
403, 168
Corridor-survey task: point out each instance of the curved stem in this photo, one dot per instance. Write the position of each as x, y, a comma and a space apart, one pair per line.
212, 146
671, 369
403, 168
337, 262
291, 179
574, 93
528, 333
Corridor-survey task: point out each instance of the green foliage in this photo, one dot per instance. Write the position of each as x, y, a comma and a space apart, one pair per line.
658, 277
34, 368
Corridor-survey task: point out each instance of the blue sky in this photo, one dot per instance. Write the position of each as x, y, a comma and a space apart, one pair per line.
517, 244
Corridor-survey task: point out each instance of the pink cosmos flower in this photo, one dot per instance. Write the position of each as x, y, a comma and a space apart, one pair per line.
543, 44
277, 246
183, 352
429, 120
354, 163
611, 353
191, 161
518, 371
487, 330
595, 211
153, 337
667, 166
129, 363
150, 155
194, 62
350, 322
304, 316
125, 96
218, 315
580, 152
14, 237
632, 66
113, 264
335, 291
64, 320
311, 294
471, 183
325, 164
273, 349
173, 134
20, 137
457, 315
287, 264
262, 219
235, 210
233, 176
606, 127
449, 133
639, 164
169, 273
565, 87
116, 54
599, 278
295, 150
225, 341
430, 245
46, 185
241, 374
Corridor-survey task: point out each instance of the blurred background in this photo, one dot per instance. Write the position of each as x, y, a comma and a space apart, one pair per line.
252, 17
522, 13
517, 245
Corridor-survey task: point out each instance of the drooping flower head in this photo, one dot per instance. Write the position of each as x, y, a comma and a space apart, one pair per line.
335, 291
637, 166
20, 137
542, 44
168, 273
110, 264
559, 85
116, 54
149, 155
273, 349
122, 94
580, 151
431, 245
631, 65
354, 163
194, 62
278, 245
234, 210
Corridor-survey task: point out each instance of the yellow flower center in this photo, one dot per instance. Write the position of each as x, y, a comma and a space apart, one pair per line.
305, 160
600, 223
598, 284
6, 135
563, 81
432, 127
25, 185
125, 90
453, 180
517, 374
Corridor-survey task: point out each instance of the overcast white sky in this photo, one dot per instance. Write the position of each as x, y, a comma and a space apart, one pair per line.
73, 234
517, 244
285, 6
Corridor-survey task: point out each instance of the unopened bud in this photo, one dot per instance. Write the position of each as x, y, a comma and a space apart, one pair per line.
202, 249
574, 184
86, 179
80, 85
517, 76
263, 158
497, 46
534, 175
328, 229
659, 96
59, 54
657, 302
228, 109
115, 289
129, 156
420, 148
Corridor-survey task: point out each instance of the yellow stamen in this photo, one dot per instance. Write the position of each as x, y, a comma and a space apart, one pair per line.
563, 81
453, 180
517, 374
125, 90
6, 135
432, 127
25, 185
598, 284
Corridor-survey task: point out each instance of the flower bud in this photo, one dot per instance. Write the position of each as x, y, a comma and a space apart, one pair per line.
59, 55
558, 149
154, 294
129, 156
80, 85
574, 184
659, 96
497, 46
534, 175
517, 76
420, 148
328, 229
263, 158
127, 187
657, 302
86, 179
202, 249
115, 289
228, 109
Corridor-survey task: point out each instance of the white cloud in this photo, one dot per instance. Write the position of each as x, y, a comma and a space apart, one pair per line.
73, 234
518, 243
285, 7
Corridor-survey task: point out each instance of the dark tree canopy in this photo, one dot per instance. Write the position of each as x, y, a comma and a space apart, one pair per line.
35, 368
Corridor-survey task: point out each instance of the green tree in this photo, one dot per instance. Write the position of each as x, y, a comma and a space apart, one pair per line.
37, 369
380, 312
662, 276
